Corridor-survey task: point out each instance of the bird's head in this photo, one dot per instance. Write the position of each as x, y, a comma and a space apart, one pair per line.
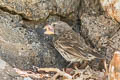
56, 28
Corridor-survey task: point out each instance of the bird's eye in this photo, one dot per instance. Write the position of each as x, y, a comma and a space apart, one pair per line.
54, 25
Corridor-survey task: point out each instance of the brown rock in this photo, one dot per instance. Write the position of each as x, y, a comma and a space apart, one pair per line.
112, 8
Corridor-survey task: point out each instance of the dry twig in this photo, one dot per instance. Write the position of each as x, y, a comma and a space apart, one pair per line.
59, 72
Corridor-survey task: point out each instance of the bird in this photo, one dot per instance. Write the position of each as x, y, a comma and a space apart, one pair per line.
69, 43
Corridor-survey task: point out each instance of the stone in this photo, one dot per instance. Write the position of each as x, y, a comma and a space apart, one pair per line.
100, 31
7, 72
40, 9
112, 8
23, 47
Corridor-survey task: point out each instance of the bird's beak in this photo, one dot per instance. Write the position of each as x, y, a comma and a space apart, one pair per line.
48, 30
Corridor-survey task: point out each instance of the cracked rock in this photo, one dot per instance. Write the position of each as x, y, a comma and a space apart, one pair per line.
23, 47
40, 9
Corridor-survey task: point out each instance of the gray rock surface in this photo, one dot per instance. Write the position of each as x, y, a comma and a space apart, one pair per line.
7, 72
21, 47
103, 33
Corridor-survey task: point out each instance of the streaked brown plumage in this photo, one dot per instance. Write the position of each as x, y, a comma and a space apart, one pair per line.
69, 43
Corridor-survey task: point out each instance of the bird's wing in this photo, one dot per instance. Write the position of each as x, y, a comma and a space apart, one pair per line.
72, 43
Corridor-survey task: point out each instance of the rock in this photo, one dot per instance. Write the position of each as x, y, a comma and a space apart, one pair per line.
22, 47
7, 72
112, 8
114, 43
92, 7
28, 78
40, 9
100, 31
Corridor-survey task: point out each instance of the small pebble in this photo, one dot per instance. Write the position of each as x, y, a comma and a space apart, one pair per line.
27, 78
